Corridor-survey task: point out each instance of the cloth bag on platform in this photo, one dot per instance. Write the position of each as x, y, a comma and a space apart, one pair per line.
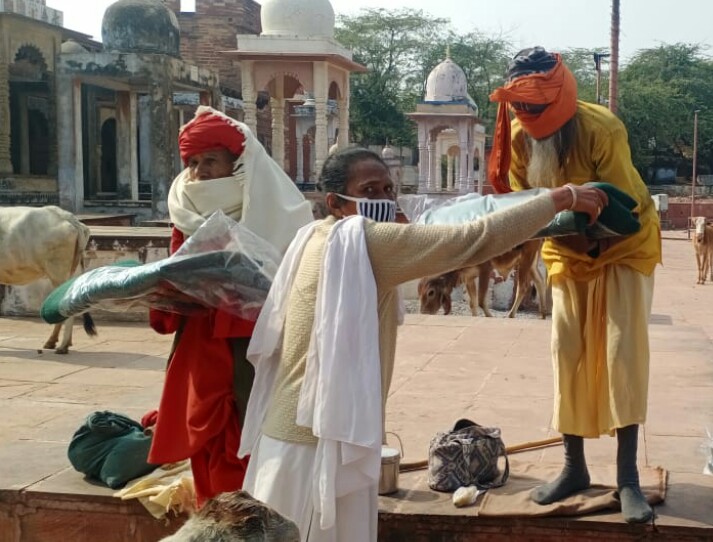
467, 455
111, 448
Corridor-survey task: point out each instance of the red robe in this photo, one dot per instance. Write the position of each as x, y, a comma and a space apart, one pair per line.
197, 416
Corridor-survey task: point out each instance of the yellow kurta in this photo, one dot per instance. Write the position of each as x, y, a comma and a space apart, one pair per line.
601, 153
601, 305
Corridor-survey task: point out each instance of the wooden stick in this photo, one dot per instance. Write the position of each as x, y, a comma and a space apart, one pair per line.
533, 444
420, 465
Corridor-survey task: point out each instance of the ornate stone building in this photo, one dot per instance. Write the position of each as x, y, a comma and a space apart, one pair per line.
451, 138
120, 110
306, 73
93, 127
31, 37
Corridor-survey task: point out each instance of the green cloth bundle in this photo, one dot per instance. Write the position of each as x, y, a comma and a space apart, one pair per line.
222, 279
616, 219
111, 448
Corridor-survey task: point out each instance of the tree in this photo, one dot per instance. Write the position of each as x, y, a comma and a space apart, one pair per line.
581, 63
659, 90
389, 44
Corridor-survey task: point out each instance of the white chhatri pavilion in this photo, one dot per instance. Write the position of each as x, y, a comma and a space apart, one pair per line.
297, 57
448, 125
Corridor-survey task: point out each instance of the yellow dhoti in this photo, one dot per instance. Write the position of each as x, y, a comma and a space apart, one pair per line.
600, 350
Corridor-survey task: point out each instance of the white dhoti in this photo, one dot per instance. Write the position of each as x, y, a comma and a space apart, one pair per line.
281, 475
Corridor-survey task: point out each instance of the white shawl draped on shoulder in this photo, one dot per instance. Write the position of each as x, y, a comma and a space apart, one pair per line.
340, 398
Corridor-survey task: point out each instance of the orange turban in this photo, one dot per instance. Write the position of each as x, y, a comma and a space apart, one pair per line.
208, 131
556, 88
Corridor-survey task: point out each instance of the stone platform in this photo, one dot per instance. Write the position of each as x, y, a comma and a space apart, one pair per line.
495, 371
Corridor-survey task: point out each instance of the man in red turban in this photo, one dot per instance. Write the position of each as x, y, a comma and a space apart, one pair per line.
208, 379
601, 291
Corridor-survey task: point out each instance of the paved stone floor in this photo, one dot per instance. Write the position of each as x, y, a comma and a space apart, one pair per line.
495, 371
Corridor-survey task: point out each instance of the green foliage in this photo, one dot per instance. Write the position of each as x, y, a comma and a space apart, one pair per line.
658, 92
658, 89
581, 63
389, 43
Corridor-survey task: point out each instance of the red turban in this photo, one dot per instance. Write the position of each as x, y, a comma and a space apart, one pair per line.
210, 130
556, 88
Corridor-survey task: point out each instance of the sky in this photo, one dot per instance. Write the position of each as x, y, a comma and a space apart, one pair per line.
554, 24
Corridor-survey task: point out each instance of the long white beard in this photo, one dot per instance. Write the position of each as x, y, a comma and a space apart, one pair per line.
543, 170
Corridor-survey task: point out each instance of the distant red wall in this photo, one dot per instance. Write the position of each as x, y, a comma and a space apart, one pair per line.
679, 211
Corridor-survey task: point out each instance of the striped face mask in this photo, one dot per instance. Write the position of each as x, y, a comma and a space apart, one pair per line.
379, 210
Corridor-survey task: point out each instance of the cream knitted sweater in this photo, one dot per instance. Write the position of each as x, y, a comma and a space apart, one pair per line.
398, 253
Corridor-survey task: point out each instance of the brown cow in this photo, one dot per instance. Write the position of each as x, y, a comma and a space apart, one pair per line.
435, 292
703, 246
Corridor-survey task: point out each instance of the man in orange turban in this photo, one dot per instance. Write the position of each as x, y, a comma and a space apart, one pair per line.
601, 291
208, 379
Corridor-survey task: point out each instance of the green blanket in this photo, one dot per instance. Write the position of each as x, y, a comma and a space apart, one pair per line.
222, 279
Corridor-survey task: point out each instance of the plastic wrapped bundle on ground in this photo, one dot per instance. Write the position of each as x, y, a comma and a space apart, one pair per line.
222, 265
617, 218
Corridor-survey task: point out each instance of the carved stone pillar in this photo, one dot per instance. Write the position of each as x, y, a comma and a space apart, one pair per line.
482, 169
5, 159
449, 173
70, 174
463, 168
422, 165
471, 159
321, 143
343, 138
278, 131
431, 151
134, 122
277, 106
300, 175
163, 135
312, 170
24, 139
52, 125
126, 146
249, 95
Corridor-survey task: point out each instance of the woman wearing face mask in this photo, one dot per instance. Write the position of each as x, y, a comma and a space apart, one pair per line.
324, 344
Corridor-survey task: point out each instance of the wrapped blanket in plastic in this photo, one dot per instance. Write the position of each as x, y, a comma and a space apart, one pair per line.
222, 265
617, 218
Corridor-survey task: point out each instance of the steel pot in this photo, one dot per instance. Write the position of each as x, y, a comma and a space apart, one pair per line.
390, 461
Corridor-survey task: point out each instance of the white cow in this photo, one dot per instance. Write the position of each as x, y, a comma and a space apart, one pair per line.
43, 242
703, 246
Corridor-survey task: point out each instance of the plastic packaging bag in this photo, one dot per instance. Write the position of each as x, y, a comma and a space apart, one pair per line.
246, 267
616, 219
223, 265
427, 209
